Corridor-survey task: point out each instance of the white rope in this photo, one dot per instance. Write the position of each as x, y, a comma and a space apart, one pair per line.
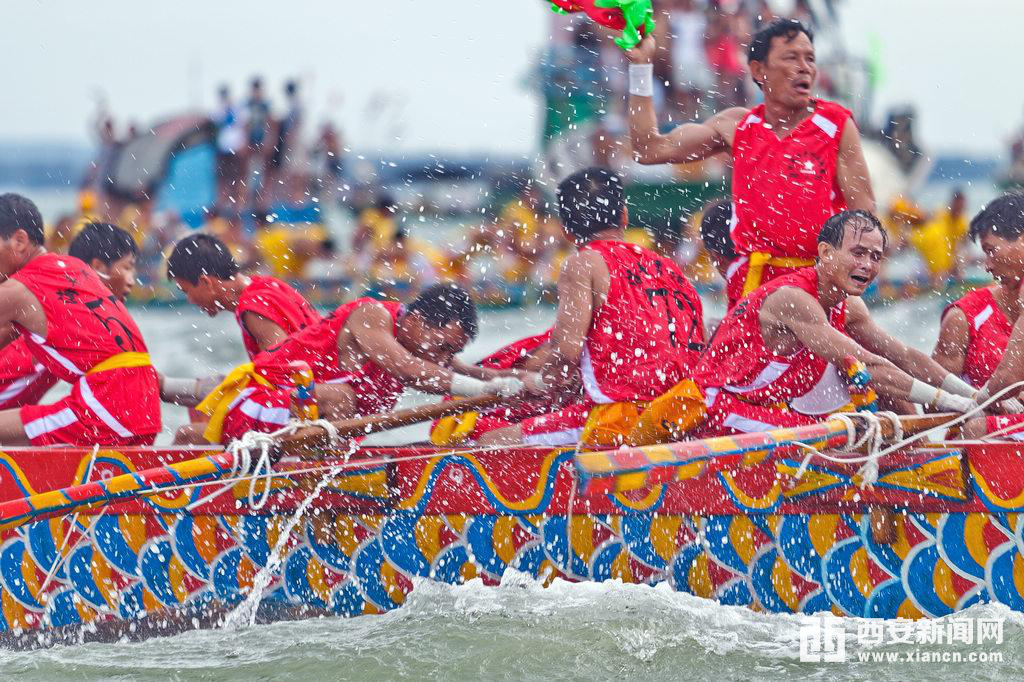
871, 438
873, 434
243, 466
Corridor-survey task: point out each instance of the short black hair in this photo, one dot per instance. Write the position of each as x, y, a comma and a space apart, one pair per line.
1002, 217
761, 42
102, 241
291, 87
835, 227
20, 213
198, 255
443, 303
591, 200
715, 228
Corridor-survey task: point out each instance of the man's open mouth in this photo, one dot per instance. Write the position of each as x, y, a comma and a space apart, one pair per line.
863, 280
803, 87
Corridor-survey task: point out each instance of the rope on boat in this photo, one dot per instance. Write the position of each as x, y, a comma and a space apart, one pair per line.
245, 468
872, 437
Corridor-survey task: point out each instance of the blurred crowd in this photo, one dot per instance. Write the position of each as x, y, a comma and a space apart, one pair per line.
290, 201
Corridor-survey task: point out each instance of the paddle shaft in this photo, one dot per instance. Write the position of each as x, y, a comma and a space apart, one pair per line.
630, 468
313, 439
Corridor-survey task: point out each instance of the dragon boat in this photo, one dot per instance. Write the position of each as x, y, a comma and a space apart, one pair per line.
101, 544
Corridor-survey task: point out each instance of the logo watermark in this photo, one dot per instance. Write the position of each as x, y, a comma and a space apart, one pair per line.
823, 640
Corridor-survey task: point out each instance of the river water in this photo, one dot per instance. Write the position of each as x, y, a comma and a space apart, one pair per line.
518, 630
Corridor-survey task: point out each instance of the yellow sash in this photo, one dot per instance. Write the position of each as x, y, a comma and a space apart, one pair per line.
454, 430
759, 259
122, 361
665, 419
218, 402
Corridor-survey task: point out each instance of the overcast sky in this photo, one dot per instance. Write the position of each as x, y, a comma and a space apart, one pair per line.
460, 66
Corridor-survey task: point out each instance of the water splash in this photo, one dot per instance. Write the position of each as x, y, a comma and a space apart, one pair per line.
244, 615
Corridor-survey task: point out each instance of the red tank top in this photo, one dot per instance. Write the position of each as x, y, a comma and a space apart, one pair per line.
85, 322
512, 355
737, 359
376, 389
275, 300
988, 333
784, 190
649, 331
23, 379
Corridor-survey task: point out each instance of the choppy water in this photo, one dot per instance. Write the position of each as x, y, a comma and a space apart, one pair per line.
518, 630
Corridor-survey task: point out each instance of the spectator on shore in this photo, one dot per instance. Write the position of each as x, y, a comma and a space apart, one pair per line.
285, 137
258, 123
230, 122
329, 160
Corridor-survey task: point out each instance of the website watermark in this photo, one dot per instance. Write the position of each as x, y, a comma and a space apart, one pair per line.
823, 640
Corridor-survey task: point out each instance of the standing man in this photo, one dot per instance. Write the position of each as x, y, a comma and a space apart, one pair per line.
80, 332
797, 160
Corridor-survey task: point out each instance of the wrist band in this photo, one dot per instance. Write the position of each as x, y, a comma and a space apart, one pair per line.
468, 386
954, 384
641, 80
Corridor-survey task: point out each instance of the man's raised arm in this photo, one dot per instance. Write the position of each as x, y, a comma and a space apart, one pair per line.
687, 142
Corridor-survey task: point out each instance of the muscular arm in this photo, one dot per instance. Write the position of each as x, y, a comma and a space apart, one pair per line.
688, 142
373, 330
572, 321
798, 313
951, 348
873, 338
17, 304
852, 170
265, 332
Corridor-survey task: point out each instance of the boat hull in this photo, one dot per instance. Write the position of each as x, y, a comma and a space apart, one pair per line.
739, 531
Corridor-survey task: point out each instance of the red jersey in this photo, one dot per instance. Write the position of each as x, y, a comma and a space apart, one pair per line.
23, 379
275, 300
783, 190
376, 389
649, 331
737, 359
86, 325
988, 333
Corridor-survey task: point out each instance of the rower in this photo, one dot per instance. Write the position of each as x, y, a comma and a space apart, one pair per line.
797, 159
774, 360
111, 252
80, 332
267, 309
629, 324
362, 357
981, 334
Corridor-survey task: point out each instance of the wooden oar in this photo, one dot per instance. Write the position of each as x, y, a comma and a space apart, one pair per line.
214, 465
633, 468
313, 439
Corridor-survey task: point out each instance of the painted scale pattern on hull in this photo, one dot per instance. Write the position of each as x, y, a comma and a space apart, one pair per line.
797, 547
